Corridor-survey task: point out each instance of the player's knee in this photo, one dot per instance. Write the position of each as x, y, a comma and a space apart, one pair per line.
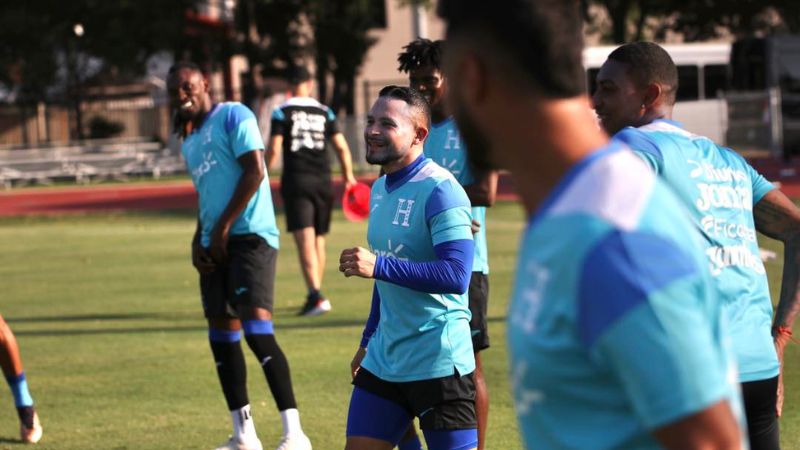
260, 337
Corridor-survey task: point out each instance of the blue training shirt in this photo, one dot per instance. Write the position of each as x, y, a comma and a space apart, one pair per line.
613, 329
445, 147
420, 335
720, 189
228, 132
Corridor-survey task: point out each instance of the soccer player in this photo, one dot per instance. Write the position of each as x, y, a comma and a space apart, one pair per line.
729, 201
30, 430
421, 60
301, 126
234, 249
615, 337
419, 361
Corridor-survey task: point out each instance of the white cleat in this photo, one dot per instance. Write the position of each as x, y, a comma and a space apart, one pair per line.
31, 435
235, 444
294, 442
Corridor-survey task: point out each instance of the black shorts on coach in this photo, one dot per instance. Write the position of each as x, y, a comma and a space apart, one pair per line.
248, 279
446, 403
308, 205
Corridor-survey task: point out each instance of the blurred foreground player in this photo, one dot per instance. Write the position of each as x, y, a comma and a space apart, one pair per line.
615, 337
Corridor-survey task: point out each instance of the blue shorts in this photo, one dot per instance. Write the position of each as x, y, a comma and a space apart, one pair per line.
445, 406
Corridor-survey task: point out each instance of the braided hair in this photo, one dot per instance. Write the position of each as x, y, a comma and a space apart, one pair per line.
420, 52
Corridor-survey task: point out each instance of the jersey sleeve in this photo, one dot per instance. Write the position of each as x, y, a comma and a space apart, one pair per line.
642, 146
331, 124
277, 122
448, 213
761, 186
242, 129
642, 315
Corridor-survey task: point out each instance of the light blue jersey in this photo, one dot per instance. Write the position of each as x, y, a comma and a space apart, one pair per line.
420, 335
228, 132
614, 329
720, 189
445, 147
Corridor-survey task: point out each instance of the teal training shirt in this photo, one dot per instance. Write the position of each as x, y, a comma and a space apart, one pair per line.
228, 132
614, 329
420, 335
445, 147
720, 189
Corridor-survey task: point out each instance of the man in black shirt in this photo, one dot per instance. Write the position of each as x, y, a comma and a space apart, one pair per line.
301, 126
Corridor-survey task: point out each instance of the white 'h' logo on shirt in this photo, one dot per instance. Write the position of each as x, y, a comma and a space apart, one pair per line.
405, 212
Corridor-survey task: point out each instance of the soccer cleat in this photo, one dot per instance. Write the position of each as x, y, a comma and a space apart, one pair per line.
33, 434
294, 442
235, 444
315, 306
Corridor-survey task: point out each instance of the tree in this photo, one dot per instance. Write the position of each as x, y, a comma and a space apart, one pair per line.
342, 41
696, 19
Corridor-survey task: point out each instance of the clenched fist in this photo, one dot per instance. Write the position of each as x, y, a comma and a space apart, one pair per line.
358, 262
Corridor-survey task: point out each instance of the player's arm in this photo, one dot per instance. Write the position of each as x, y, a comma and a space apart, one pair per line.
712, 428
275, 145
345, 158
777, 217
644, 314
247, 147
483, 191
253, 173
369, 329
448, 215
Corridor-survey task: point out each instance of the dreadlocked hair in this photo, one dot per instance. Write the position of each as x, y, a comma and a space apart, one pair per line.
420, 52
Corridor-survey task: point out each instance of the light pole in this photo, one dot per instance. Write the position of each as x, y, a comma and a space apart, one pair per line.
78, 30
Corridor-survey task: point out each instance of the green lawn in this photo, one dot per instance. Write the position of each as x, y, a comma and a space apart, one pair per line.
107, 314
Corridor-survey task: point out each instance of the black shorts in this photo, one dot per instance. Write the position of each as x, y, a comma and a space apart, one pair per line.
308, 205
446, 403
478, 302
762, 419
247, 280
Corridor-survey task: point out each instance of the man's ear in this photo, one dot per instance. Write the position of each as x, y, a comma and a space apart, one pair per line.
420, 134
653, 95
475, 78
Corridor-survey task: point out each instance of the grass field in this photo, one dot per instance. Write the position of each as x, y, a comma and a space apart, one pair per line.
106, 310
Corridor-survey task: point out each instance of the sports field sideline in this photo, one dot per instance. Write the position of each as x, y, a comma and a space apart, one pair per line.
106, 310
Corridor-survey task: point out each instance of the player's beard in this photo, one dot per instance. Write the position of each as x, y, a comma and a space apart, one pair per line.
478, 147
391, 154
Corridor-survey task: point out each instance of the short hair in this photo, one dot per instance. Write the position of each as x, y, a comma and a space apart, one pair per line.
299, 74
648, 63
180, 65
543, 39
419, 53
415, 101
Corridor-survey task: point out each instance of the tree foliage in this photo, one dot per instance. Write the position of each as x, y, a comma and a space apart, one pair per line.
38, 35
697, 19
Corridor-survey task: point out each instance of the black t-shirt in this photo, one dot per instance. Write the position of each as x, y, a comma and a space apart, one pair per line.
305, 125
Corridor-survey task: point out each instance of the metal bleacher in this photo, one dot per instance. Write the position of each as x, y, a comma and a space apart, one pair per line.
87, 162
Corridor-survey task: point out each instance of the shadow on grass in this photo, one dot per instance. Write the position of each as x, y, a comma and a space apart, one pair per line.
296, 324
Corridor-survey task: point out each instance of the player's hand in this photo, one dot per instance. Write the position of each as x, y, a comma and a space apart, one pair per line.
355, 364
201, 259
476, 226
358, 262
219, 244
349, 181
781, 338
